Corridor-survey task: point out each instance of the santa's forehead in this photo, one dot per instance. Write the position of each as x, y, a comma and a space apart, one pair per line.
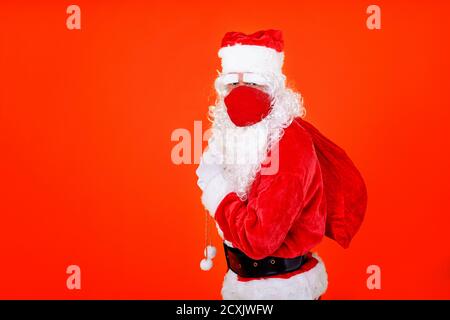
250, 77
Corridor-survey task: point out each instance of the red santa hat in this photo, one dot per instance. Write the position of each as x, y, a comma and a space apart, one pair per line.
260, 52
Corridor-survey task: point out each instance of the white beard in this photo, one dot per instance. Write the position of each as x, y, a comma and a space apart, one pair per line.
242, 150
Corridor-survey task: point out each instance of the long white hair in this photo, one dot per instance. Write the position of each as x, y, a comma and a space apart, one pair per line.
241, 150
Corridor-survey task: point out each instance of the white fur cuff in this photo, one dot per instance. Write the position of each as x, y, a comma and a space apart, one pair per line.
214, 193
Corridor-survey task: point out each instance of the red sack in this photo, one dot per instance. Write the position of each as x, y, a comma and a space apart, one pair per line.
345, 190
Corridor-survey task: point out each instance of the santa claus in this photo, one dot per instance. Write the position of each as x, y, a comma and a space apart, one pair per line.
273, 183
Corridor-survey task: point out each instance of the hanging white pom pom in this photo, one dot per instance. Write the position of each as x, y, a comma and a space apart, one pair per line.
210, 252
206, 264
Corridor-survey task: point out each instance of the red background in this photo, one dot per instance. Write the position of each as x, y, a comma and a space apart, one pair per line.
86, 117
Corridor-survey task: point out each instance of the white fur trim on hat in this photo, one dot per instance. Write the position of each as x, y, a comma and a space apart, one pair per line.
214, 193
309, 285
251, 58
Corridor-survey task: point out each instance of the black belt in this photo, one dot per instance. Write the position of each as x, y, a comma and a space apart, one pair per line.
247, 267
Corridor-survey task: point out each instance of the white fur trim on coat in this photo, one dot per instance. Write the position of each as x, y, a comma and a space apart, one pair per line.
309, 285
251, 58
214, 193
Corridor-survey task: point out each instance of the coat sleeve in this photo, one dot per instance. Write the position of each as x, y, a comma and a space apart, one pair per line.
259, 225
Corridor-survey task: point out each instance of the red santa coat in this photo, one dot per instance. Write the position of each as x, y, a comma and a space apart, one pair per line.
317, 191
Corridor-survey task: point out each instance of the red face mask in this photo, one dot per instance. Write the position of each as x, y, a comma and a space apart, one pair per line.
247, 105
